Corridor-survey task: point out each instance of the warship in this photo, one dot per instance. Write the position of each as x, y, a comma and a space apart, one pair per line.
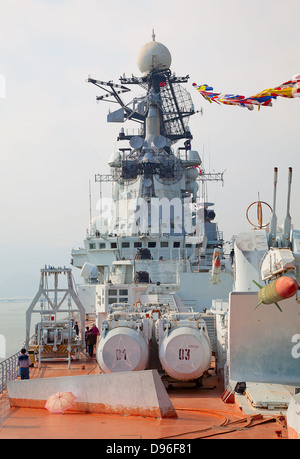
191, 343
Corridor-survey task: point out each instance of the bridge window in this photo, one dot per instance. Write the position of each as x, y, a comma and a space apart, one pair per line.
112, 300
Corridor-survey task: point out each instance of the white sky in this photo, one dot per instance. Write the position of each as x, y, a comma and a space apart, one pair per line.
54, 137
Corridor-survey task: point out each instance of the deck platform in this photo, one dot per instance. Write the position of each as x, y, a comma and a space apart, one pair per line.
201, 413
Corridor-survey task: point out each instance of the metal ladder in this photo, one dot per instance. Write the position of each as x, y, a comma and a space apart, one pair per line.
167, 299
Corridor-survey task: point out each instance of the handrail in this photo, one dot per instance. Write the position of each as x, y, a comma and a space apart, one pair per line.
8, 370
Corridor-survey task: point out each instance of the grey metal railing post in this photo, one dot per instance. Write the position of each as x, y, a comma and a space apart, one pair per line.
8, 371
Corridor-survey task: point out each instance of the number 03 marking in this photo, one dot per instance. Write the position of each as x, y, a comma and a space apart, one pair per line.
184, 354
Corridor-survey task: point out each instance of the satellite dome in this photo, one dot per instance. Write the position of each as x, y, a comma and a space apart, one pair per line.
153, 56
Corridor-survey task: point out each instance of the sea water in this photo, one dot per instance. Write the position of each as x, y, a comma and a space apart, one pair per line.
13, 325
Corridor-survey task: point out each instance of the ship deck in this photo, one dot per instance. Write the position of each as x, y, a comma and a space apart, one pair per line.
201, 414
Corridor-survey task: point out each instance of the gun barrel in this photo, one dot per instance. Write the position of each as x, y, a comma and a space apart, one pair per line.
273, 226
287, 221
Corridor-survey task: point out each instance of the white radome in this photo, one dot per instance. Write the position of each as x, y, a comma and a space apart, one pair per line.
153, 56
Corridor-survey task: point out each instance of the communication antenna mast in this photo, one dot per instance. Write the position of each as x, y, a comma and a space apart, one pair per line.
90, 206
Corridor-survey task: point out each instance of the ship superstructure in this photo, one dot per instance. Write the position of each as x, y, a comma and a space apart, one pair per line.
156, 236
155, 241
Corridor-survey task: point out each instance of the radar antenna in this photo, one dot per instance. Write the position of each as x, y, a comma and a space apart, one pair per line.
176, 104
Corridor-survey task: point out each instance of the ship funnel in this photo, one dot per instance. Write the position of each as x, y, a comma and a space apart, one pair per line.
273, 226
287, 221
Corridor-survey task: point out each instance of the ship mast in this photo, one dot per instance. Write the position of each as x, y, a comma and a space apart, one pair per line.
151, 168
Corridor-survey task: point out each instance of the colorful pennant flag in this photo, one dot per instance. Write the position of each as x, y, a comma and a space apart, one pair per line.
264, 98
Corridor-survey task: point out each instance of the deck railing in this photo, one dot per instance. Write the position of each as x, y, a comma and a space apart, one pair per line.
8, 371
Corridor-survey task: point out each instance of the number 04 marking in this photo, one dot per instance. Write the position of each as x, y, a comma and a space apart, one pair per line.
121, 354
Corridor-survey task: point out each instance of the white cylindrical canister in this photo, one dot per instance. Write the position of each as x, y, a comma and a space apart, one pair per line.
185, 353
122, 349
